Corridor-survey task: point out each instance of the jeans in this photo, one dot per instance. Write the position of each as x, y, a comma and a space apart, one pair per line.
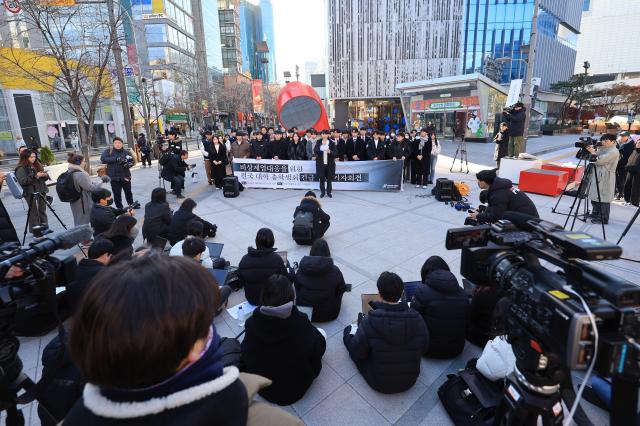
515, 146
432, 174
146, 158
117, 187
177, 184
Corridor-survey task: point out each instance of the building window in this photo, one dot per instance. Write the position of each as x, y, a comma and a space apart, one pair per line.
157, 55
586, 5
156, 33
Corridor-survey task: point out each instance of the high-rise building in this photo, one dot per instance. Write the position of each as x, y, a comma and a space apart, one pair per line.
501, 30
607, 33
212, 38
269, 36
251, 34
229, 19
375, 44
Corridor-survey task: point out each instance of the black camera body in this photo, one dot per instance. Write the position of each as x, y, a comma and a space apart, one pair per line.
126, 162
585, 142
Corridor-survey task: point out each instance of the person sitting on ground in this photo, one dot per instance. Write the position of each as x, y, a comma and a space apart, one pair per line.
481, 311
178, 226
281, 344
122, 234
99, 253
194, 229
166, 361
444, 306
388, 343
319, 283
258, 265
309, 220
157, 216
174, 170
502, 197
102, 214
194, 248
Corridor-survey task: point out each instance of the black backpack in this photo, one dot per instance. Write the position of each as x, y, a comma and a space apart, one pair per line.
165, 158
66, 188
303, 227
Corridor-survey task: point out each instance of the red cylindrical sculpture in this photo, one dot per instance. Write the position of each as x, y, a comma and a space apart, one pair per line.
300, 106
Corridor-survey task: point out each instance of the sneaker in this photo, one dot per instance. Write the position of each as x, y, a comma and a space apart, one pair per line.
180, 197
321, 195
626, 203
424, 187
417, 186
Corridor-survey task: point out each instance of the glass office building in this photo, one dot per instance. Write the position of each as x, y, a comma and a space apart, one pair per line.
269, 36
494, 29
211, 25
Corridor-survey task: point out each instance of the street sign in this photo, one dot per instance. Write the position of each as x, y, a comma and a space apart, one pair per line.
12, 6
128, 71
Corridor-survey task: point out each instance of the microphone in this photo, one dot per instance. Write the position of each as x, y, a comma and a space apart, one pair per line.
63, 240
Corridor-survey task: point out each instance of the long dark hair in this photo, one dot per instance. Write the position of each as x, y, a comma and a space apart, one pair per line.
121, 227
159, 195
320, 248
24, 160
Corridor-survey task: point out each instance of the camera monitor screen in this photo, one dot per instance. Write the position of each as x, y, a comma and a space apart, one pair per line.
470, 236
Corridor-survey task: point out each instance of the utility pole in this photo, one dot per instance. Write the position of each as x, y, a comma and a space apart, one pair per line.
117, 53
297, 73
530, 64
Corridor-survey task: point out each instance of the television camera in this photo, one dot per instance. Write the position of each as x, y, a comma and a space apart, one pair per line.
583, 143
578, 318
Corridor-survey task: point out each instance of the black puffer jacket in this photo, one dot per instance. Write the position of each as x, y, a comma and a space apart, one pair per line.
157, 217
178, 227
388, 345
503, 197
444, 306
516, 122
175, 167
255, 268
288, 351
115, 160
319, 283
320, 217
102, 217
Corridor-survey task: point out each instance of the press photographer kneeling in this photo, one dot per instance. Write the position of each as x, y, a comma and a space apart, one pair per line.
102, 214
602, 189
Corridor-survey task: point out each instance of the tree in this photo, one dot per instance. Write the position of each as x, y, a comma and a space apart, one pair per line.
70, 57
235, 97
609, 99
576, 91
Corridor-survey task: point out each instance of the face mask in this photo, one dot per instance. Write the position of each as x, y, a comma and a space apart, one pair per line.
110, 201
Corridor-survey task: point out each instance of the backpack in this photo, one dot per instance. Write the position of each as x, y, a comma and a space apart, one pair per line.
303, 227
463, 188
66, 188
165, 158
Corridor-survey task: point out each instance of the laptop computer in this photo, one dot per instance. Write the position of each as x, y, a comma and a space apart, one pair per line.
220, 275
410, 288
215, 249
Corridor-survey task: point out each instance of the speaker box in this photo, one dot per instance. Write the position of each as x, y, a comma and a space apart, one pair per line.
445, 190
230, 187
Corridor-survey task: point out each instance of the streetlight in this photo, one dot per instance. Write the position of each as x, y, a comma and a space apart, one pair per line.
586, 65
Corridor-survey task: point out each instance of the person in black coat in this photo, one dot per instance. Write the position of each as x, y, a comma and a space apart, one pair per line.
357, 150
174, 172
398, 148
376, 148
321, 220
421, 165
325, 153
259, 147
502, 143
501, 198
157, 216
319, 283
296, 149
102, 214
341, 145
444, 306
178, 226
627, 146
481, 310
278, 147
175, 144
119, 163
281, 344
219, 160
7, 230
99, 253
122, 234
258, 265
388, 343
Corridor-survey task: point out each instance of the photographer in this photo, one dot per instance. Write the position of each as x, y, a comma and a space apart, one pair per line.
173, 171
515, 116
602, 194
501, 198
33, 179
175, 144
82, 184
102, 214
119, 162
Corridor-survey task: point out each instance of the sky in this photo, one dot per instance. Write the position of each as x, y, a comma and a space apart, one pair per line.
300, 33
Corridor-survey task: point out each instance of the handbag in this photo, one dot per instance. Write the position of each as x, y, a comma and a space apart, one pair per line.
436, 148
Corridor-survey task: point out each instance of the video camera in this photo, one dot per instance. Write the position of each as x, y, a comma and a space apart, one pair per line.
551, 319
583, 143
134, 206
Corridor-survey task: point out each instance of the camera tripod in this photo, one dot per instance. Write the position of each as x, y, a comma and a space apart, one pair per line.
461, 151
34, 200
581, 161
629, 225
581, 195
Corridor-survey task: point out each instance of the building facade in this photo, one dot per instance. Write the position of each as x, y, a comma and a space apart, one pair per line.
229, 20
496, 31
606, 33
250, 35
375, 44
268, 35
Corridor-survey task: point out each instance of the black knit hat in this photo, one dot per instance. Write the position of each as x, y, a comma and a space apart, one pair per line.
310, 194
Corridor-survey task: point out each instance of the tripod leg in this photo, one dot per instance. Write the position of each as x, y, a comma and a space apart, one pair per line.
26, 225
629, 225
54, 212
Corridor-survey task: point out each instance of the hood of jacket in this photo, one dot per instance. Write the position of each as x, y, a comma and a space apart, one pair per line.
282, 311
442, 281
260, 252
315, 265
391, 322
500, 183
269, 328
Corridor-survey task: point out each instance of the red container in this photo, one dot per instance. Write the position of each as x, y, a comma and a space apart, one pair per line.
575, 175
545, 182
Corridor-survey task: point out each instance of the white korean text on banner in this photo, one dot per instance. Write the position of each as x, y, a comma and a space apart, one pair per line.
350, 175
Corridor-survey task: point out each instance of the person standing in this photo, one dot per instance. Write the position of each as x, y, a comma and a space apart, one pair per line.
81, 208
57, 142
145, 150
436, 148
325, 154
296, 150
119, 163
75, 141
341, 144
33, 179
19, 143
218, 158
206, 145
360, 146
516, 118
376, 149
502, 143
311, 137
422, 159
627, 146
259, 147
632, 182
278, 147
241, 147
602, 194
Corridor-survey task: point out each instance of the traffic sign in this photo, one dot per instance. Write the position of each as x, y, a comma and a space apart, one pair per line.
128, 71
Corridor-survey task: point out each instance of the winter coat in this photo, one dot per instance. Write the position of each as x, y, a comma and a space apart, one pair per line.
175, 167
114, 159
387, 346
157, 218
81, 208
320, 218
255, 268
481, 308
379, 151
320, 284
259, 149
120, 243
606, 165
297, 151
220, 155
87, 269
102, 217
633, 163
286, 349
358, 146
625, 151
328, 169
497, 360
503, 197
310, 146
240, 150
7, 231
516, 122
178, 227
204, 148
26, 176
398, 150
278, 149
341, 147
502, 145
425, 151
444, 305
